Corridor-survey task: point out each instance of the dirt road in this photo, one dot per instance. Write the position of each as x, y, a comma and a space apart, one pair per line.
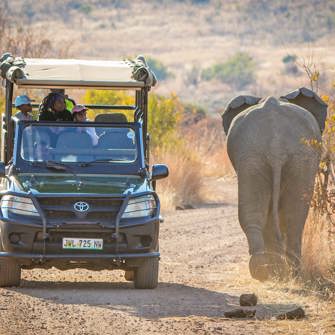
203, 271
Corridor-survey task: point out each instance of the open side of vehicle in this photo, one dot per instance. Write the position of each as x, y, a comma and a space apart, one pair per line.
68, 203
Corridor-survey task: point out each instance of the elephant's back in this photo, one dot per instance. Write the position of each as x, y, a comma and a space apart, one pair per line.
272, 128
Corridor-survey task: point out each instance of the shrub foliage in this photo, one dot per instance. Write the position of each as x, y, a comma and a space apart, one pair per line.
160, 70
164, 113
238, 71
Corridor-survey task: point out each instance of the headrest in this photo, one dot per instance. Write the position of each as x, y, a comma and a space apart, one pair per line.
111, 118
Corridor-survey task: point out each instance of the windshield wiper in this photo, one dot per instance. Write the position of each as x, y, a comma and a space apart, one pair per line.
56, 166
50, 165
102, 160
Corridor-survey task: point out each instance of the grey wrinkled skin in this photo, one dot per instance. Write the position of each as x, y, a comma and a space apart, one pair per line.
276, 170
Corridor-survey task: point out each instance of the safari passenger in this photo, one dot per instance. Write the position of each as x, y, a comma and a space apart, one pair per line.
79, 115
53, 108
23, 104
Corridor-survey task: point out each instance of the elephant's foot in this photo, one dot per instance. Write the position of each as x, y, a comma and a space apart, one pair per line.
258, 266
266, 266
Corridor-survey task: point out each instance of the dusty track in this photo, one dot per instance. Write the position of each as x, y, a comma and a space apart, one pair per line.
203, 271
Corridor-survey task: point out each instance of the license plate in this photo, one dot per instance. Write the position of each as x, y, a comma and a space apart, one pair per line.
82, 243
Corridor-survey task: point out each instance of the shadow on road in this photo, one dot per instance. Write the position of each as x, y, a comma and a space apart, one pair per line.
168, 300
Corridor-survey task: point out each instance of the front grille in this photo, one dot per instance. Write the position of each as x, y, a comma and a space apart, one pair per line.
61, 210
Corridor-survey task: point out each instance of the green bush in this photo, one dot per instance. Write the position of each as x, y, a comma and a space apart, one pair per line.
160, 70
163, 120
238, 71
85, 8
289, 59
192, 76
193, 113
290, 65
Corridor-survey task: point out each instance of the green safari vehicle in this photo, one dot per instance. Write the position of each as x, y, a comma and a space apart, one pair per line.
65, 202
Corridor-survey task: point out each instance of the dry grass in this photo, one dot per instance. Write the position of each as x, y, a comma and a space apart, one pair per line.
318, 247
319, 233
182, 187
26, 41
207, 139
201, 155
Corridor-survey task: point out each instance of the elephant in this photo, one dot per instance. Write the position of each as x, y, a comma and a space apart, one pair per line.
274, 147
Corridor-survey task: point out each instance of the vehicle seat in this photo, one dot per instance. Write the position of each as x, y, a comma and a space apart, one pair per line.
118, 139
35, 142
111, 118
71, 143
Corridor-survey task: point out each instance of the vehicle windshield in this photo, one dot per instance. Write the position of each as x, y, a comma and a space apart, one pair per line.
82, 143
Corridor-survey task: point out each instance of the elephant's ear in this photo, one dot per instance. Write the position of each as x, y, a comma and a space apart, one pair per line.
309, 100
236, 106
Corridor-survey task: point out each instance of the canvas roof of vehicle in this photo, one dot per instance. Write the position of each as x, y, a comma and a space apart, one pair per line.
67, 73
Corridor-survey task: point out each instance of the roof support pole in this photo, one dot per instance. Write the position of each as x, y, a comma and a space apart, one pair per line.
138, 99
138, 106
8, 121
145, 122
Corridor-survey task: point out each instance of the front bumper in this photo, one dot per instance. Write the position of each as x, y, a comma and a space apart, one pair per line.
82, 257
27, 245
85, 260
126, 241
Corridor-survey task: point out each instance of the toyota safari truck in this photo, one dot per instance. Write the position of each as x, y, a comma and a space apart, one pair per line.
68, 201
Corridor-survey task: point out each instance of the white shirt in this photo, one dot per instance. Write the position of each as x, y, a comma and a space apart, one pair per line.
95, 138
24, 117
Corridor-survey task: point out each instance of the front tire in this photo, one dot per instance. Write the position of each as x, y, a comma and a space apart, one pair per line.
146, 276
10, 273
129, 275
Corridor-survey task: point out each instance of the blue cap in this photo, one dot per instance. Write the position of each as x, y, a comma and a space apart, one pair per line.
22, 100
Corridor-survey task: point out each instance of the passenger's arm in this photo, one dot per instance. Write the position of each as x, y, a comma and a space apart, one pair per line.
94, 136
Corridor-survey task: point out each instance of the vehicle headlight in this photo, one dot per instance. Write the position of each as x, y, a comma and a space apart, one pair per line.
140, 207
11, 204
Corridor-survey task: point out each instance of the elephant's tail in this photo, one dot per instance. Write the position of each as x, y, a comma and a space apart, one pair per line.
275, 204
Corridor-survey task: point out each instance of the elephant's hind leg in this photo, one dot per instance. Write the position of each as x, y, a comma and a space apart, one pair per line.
274, 249
299, 181
254, 193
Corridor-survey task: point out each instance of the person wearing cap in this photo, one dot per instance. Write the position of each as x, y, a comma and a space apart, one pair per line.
23, 104
79, 115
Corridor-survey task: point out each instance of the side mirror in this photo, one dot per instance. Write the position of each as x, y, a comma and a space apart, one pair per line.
159, 171
2, 170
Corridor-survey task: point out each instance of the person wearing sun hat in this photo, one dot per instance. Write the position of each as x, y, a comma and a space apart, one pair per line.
79, 115
23, 104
